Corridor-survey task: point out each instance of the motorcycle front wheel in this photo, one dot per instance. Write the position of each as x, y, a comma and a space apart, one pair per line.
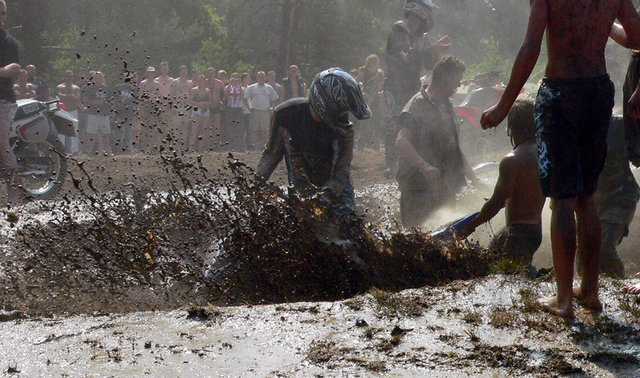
42, 168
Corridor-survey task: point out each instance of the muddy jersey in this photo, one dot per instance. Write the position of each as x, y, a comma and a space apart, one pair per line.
316, 155
435, 139
405, 63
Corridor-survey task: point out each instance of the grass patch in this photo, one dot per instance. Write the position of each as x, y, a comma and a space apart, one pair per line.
395, 305
501, 318
472, 317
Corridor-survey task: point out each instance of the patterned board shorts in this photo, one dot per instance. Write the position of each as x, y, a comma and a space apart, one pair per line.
572, 120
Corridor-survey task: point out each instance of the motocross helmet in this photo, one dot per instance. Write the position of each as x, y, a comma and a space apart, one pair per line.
333, 94
420, 8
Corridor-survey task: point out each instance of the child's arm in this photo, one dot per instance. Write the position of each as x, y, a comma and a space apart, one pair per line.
504, 188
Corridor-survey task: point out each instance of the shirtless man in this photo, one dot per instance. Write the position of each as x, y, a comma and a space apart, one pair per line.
23, 89
148, 111
181, 95
518, 188
164, 97
216, 88
574, 104
70, 95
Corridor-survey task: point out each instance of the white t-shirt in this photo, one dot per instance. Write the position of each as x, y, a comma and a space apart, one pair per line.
260, 97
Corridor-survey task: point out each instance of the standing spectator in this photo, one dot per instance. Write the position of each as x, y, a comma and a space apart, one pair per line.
200, 101
125, 102
97, 97
245, 79
271, 80
181, 95
69, 94
9, 70
223, 77
235, 102
23, 89
372, 78
43, 93
293, 85
149, 111
432, 167
408, 52
164, 100
216, 90
260, 97
82, 111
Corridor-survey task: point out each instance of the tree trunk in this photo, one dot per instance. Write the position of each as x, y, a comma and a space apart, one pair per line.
285, 36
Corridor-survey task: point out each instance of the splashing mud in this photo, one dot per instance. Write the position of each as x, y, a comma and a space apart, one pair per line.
211, 238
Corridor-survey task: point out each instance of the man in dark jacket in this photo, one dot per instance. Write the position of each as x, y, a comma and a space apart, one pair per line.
315, 138
408, 52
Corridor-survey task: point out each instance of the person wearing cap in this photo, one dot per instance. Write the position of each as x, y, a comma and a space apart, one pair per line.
408, 53
431, 167
315, 137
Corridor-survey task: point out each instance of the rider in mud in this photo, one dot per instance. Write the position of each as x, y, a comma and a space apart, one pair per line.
432, 167
315, 137
9, 70
408, 52
518, 188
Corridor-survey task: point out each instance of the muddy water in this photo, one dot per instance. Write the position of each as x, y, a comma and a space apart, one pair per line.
485, 326
479, 328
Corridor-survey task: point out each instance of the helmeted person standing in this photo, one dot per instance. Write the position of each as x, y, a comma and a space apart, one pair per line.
408, 52
315, 137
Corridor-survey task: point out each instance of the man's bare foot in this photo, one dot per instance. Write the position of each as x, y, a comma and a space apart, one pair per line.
592, 302
551, 305
633, 289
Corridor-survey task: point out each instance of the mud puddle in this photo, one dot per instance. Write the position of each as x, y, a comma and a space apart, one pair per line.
485, 327
131, 250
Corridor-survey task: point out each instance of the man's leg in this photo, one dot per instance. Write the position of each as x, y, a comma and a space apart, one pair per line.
563, 245
589, 243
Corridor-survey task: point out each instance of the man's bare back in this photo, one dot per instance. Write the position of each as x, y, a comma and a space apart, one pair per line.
524, 205
577, 34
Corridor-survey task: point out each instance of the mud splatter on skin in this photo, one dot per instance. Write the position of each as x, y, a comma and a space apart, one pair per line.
136, 249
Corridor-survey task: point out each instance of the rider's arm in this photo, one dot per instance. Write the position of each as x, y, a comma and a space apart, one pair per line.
273, 152
342, 168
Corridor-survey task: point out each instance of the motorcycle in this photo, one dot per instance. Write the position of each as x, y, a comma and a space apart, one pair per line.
42, 164
485, 91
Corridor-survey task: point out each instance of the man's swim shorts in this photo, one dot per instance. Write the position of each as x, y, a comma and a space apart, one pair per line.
572, 119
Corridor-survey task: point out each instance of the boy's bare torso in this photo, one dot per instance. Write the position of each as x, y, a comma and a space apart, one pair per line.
577, 34
524, 205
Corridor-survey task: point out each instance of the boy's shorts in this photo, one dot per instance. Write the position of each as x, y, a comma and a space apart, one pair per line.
572, 120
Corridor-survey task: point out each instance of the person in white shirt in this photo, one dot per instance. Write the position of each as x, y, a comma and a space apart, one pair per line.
260, 96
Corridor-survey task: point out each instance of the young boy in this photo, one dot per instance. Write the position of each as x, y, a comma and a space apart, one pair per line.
518, 188
573, 109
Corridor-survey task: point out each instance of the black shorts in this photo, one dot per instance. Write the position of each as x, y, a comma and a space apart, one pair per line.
572, 120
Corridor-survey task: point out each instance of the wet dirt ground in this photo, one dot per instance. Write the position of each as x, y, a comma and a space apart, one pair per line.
483, 327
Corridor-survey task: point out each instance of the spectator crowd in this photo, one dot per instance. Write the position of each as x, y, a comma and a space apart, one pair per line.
193, 112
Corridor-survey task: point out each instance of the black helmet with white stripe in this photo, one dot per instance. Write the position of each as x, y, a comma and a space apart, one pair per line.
333, 94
